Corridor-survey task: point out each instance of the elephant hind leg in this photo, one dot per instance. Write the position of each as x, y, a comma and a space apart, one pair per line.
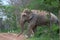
31, 30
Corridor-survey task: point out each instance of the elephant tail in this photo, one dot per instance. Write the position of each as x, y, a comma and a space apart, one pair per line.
58, 22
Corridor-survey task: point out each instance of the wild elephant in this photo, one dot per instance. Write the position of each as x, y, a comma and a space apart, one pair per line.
35, 18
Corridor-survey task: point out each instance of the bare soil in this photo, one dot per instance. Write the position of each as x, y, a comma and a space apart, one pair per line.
11, 36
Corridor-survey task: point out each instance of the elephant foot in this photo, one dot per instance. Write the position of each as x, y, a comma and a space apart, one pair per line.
29, 36
26, 36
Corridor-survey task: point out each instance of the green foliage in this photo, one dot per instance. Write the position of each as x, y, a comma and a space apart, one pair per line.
47, 5
43, 32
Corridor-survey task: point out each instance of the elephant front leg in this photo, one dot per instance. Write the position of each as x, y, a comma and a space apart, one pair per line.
29, 30
34, 29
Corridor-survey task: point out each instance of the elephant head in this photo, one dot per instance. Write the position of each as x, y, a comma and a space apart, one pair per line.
26, 15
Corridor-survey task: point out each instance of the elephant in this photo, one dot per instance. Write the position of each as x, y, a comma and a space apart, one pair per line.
35, 18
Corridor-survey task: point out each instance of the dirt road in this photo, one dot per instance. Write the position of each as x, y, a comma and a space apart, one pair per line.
11, 36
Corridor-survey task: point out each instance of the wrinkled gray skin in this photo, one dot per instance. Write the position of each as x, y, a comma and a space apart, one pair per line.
35, 18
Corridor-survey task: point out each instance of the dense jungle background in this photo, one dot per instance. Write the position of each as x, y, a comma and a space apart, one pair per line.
10, 16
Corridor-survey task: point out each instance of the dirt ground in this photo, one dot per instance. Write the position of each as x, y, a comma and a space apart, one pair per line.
11, 36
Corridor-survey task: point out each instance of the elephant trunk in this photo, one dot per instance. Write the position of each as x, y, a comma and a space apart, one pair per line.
22, 27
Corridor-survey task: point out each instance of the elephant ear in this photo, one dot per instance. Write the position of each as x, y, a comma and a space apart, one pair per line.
31, 16
27, 11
